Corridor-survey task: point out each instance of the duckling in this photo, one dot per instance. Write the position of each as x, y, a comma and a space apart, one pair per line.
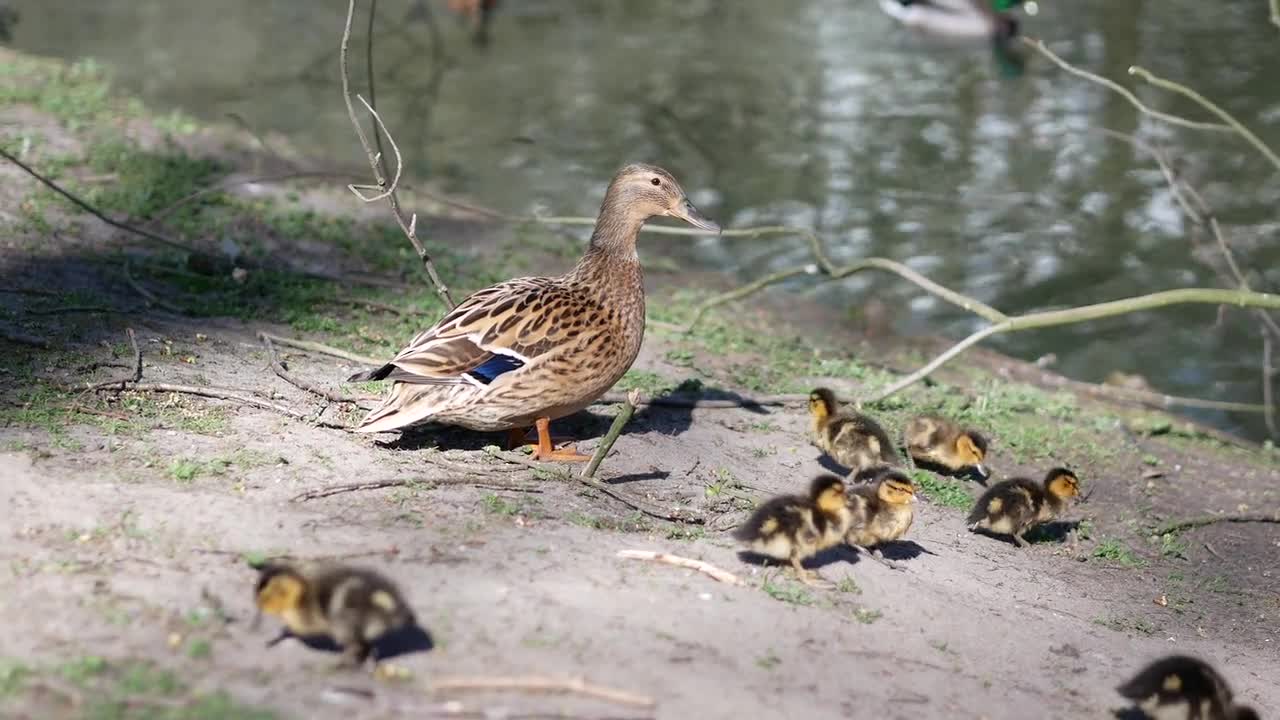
851, 439
1014, 506
1178, 687
935, 442
796, 527
881, 511
353, 607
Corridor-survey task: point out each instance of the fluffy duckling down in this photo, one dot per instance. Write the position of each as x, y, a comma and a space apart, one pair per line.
1179, 687
935, 442
353, 607
1014, 506
797, 527
881, 511
852, 439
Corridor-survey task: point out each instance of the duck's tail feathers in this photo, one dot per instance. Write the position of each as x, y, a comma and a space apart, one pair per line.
379, 373
398, 410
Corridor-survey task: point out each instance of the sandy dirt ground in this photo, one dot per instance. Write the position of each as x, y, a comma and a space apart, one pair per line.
127, 521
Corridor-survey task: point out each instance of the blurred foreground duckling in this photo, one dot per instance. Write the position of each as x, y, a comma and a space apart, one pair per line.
882, 512
935, 442
1178, 687
1014, 506
353, 607
850, 438
796, 527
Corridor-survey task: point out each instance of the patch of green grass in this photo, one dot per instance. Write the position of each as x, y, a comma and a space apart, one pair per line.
848, 585
499, 505
77, 94
1115, 551
942, 491
769, 660
1173, 546
1122, 624
147, 181
866, 616
787, 592
650, 383
80, 670
12, 676
686, 532
199, 649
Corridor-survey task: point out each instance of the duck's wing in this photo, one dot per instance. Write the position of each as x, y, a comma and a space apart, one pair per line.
496, 330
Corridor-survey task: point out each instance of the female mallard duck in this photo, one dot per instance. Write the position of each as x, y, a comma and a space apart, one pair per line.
531, 350
966, 20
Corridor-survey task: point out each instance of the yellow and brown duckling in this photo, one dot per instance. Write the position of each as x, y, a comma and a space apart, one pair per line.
850, 438
797, 527
1014, 506
882, 511
353, 607
937, 443
530, 350
1179, 687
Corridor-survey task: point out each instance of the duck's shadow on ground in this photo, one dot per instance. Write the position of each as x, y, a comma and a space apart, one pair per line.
403, 641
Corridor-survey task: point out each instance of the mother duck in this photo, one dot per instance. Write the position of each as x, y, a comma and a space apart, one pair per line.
530, 350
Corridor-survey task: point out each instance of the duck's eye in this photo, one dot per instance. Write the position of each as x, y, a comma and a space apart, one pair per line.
656, 181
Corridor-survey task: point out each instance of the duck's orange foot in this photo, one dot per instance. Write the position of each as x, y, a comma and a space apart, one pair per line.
564, 454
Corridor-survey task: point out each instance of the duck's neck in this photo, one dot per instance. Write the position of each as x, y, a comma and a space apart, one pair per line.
611, 257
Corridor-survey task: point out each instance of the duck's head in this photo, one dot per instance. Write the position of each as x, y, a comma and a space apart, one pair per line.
822, 404
280, 589
895, 488
1062, 483
644, 191
827, 493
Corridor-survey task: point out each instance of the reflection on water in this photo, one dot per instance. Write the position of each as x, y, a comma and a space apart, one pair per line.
815, 112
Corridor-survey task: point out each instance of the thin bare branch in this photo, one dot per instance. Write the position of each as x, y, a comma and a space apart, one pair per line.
228, 395
375, 163
705, 568
277, 365
538, 684
323, 349
1085, 313
1268, 393
147, 294
1039, 46
94, 211
611, 437
1230, 120
487, 483
1181, 525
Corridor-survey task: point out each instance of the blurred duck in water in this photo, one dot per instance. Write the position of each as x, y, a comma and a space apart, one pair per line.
478, 14
990, 20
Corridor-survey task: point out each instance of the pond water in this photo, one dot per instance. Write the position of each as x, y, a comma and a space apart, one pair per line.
820, 113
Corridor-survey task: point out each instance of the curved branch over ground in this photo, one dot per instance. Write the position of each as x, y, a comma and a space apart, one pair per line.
1181, 525
388, 189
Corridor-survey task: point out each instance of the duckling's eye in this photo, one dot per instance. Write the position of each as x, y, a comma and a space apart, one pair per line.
656, 181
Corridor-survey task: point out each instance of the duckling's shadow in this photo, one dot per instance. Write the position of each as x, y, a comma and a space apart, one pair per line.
1056, 531
966, 474
832, 466
892, 551
1129, 713
826, 557
402, 641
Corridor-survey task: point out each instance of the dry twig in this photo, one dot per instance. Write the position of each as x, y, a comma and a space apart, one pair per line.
705, 568
135, 377
1181, 525
228, 395
322, 349
147, 294
615, 429
277, 365
388, 189
486, 483
539, 684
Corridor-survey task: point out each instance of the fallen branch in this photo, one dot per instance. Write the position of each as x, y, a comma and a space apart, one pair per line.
94, 211
323, 349
1085, 313
277, 365
18, 337
135, 377
1039, 46
615, 429
76, 408
74, 309
705, 568
388, 190
538, 684
488, 484
228, 395
1268, 376
561, 474
1181, 525
147, 294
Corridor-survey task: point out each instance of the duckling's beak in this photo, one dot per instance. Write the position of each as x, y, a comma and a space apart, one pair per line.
688, 213
982, 471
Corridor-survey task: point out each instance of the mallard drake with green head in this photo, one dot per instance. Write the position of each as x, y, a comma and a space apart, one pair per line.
990, 20
531, 350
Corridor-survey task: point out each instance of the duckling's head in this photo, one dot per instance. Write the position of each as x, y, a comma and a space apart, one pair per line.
280, 589
827, 493
970, 451
822, 404
1062, 483
1243, 712
639, 192
896, 488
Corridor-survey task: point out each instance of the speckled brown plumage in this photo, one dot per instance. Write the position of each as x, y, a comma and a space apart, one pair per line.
538, 347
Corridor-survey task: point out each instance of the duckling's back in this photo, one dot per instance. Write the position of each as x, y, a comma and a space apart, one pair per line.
1182, 681
1013, 503
875, 521
361, 603
848, 437
777, 525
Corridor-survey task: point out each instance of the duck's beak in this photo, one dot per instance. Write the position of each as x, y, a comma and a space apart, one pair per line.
688, 213
982, 471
